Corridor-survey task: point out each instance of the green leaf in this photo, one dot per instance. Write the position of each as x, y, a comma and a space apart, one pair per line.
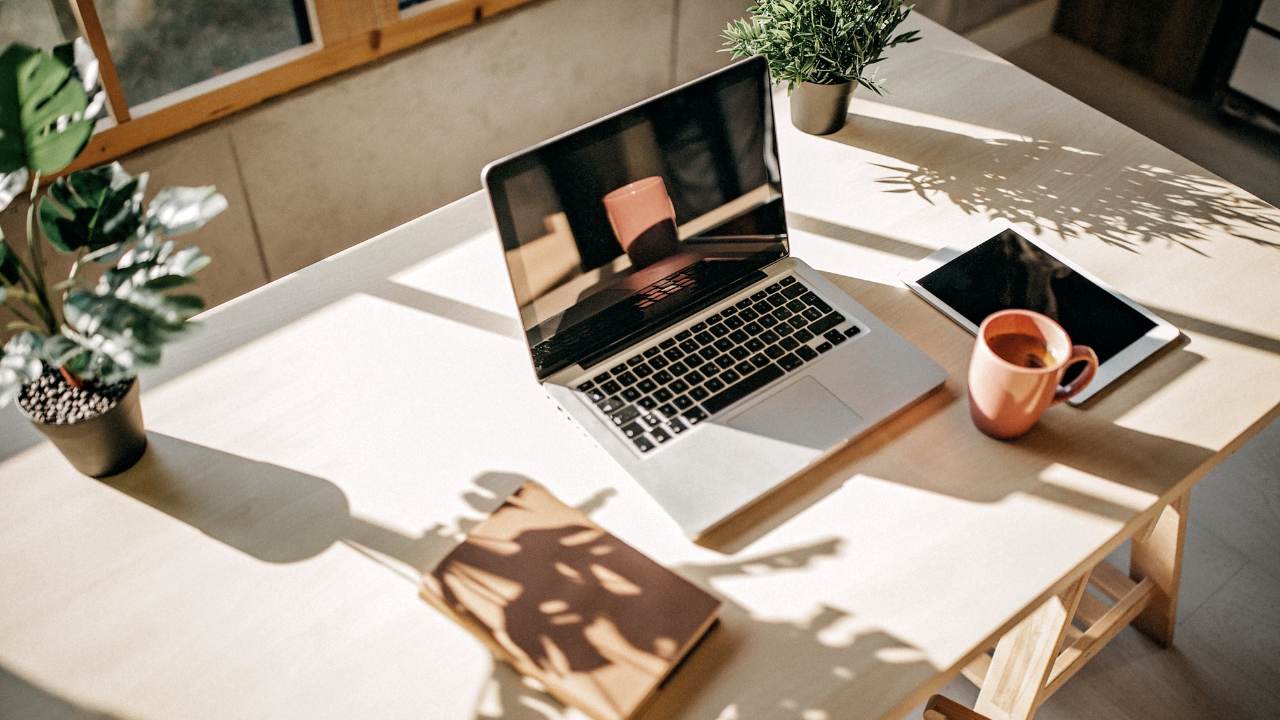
179, 210
12, 185
10, 270
42, 105
93, 208
20, 364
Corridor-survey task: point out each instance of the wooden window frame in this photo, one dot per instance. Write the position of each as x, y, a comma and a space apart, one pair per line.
345, 34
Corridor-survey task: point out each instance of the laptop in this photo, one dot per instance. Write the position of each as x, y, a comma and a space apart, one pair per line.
649, 257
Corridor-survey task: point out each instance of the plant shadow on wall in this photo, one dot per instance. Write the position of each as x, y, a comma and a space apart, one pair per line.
1015, 178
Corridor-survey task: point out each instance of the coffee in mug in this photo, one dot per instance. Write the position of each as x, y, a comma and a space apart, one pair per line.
1014, 373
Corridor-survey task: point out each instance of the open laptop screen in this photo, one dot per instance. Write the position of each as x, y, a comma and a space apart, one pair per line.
620, 228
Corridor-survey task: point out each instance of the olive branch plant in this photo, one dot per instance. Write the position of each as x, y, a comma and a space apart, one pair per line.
820, 41
110, 329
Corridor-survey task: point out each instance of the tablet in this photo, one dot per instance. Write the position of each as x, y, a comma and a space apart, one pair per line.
969, 281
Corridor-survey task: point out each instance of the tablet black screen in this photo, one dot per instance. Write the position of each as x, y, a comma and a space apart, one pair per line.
1007, 271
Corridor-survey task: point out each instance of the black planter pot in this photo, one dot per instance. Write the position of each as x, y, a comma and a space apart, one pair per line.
104, 445
820, 109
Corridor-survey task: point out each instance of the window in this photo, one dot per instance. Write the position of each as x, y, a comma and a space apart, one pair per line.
172, 65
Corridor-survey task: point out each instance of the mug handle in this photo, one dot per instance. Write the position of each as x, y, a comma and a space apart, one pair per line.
1078, 353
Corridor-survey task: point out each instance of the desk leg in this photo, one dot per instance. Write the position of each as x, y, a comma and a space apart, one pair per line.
1020, 667
1159, 557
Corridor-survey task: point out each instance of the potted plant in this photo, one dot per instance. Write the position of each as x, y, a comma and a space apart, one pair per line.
76, 346
820, 48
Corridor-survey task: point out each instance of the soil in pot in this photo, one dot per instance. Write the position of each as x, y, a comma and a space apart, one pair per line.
97, 427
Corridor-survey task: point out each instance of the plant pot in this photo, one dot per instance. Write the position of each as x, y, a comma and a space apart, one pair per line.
820, 109
105, 444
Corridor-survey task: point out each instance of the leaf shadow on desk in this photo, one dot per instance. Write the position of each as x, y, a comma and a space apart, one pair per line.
1015, 178
21, 698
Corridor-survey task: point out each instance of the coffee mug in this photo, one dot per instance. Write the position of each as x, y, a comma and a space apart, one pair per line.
1017, 365
644, 220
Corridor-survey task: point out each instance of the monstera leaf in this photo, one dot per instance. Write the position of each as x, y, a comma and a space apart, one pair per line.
42, 106
93, 208
12, 185
20, 364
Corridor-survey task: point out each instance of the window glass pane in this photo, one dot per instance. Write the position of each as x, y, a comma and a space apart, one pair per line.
160, 46
38, 23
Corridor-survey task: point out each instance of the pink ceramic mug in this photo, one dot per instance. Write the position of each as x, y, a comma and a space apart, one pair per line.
644, 220
1017, 365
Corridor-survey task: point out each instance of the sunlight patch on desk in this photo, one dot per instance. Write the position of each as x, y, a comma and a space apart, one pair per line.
472, 272
1083, 486
830, 255
915, 118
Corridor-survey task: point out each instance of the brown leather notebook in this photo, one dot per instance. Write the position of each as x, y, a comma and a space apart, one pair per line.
599, 624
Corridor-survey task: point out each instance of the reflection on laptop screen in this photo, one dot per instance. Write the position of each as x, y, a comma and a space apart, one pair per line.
621, 227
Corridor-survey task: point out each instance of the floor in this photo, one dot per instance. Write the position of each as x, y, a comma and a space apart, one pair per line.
1225, 661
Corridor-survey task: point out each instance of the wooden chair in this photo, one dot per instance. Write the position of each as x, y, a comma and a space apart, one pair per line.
941, 708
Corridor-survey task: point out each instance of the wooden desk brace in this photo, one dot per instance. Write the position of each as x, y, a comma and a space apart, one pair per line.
1042, 652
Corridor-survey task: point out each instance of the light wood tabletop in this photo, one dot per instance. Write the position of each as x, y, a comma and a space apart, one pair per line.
326, 437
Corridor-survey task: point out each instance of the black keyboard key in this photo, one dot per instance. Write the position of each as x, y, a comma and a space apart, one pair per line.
790, 362
667, 344
683, 402
789, 343
743, 304
807, 352
769, 337
723, 344
647, 386
660, 435
749, 315
777, 301
750, 384
699, 393
689, 346
754, 345
824, 347
812, 313
679, 386
822, 306
708, 353
782, 313
631, 394
627, 379
713, 319
683, 335
704, 338
753, 329
659, 362
611, 388
798, 321
796, 306
595, 395
794, 291
728, 312
695, 416
803, 336
762, 308
774, 352
586, 386
714, 385
810, 298
710, 369
663, 377
759, 360
647, 403
619, 368
744, 368
852, 331
768, 321
633, 430
719, 330
678, 369
835, 336
784, 329
773, 288
663, 395
730, 377
643, 370
724, 361
698, 327
652, 351
734, 322
787, 281
668, 410
826, 323
673, 354
643, 443
739, 336
635, 360
759, 296
739, 353
626, 415
677, 425
694, 378
611, 405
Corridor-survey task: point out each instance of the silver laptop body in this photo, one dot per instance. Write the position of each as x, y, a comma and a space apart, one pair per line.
649, 257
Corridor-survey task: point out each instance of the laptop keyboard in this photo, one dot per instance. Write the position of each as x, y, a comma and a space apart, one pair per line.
664, 390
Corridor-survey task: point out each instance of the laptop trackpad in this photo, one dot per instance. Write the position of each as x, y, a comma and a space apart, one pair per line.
805, 414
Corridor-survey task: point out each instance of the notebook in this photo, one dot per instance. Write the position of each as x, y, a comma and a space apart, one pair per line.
596, 622
649, 256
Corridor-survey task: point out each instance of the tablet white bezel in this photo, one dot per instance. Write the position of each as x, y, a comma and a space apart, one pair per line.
1144, 347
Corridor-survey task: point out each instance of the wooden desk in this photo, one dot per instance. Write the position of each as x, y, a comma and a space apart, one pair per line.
318, 444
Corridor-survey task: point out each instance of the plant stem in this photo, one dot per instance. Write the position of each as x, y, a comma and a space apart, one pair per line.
71, 378
13, 309
45, 309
